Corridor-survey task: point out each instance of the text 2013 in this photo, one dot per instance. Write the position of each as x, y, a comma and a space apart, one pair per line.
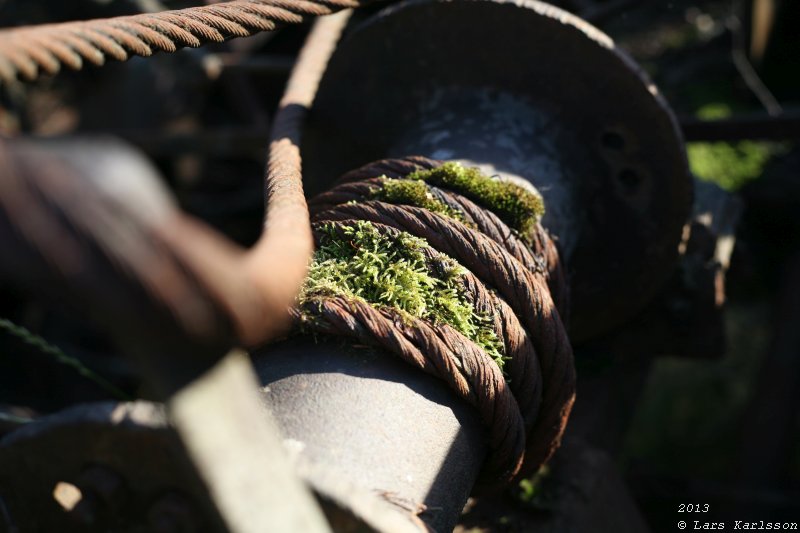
693, 508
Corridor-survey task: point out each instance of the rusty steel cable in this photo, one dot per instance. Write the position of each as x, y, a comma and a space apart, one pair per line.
27, 52
526, 419
527, 414
278, 262
506, 279
358, 185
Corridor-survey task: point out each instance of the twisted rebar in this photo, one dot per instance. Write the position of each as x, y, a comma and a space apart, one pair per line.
28, 51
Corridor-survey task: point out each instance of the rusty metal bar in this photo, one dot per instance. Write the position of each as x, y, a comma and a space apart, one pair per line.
273, 64
92, 231
756, 126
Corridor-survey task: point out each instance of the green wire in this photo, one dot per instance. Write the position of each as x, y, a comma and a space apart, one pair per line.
45, 347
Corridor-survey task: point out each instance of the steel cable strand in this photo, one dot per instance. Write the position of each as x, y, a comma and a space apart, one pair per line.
448, 355
525, 379
523, 366
495, 260
527, 294
398, 168
545, 259
279, 260
437, 349
28, 51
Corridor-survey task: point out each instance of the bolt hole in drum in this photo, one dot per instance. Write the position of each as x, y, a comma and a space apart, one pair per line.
630, 179
613, 141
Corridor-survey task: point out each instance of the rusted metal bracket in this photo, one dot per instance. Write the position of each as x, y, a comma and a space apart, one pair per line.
95, 232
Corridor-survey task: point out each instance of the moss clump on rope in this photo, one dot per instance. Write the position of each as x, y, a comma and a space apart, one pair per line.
392, 272
520, 209
416, 193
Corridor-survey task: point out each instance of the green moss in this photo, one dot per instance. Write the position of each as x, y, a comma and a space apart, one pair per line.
416, 193
714, 111
392, 272
536, 491
519, 208
729, 165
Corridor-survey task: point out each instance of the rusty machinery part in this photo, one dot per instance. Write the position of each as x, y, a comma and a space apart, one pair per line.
27, 52
90, 222
88, 448
127, 461
550, 100
506, 279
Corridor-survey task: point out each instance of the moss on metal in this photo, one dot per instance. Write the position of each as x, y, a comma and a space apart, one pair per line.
519, 208
392, 272
416, 193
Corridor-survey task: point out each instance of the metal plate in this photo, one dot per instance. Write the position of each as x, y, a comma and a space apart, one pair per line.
616, 141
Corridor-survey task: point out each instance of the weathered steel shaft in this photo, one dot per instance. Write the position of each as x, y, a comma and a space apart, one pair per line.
369, 429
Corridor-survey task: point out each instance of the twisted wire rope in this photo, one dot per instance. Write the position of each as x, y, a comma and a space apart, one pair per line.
511, 282
29, 51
